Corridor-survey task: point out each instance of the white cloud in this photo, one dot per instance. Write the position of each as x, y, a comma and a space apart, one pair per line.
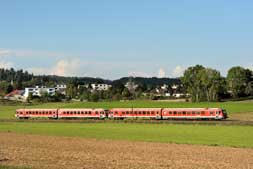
178, 71
63, 67
138, 74
161, 73
6, 65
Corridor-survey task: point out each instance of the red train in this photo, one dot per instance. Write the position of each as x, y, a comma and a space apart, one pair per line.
123, 113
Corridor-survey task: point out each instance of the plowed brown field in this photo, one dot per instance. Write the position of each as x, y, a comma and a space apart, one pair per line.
64, 152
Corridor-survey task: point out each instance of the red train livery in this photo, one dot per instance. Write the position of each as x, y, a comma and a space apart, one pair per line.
123, 113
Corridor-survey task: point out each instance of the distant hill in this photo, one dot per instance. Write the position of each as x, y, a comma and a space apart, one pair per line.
153, 81
25, 78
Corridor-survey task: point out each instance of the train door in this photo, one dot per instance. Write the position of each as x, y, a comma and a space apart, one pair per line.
217, 115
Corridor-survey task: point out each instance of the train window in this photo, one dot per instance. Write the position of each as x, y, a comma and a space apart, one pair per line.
144, 112
152, 112
82, 112
198, 113
127, 112
78, 112
96, 112
135, 112
36, 112
174, 112
202, 113
116, 112
50, 112
89, 112
139, 112
71, 112
85, 112
170, 112
148, 112
211, 113
217, 113
184, 113
193, 113
123, 112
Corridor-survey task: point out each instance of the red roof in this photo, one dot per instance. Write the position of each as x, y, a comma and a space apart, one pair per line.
14, 92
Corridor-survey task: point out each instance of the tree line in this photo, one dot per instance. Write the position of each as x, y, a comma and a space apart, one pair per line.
207, 84
201, 83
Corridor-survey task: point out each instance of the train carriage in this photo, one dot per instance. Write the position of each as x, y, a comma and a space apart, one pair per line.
34, 113
193, 113
81, 113
121, 113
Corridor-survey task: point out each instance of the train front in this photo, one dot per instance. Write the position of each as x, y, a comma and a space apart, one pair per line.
225, 115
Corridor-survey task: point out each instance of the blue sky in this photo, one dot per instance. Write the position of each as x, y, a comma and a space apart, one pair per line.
114, 38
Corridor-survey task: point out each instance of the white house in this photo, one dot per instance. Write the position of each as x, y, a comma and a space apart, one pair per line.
61, 89
39, 90
174, 87
100, 87
131, 86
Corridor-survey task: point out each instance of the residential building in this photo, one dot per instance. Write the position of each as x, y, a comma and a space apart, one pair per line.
39, 90
15, 95
100, 87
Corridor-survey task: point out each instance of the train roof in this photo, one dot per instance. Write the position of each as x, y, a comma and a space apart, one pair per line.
197, 109
130, 109
34, 109
80, 109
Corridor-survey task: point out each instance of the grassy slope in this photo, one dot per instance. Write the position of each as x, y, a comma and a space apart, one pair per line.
7, 112
235, 136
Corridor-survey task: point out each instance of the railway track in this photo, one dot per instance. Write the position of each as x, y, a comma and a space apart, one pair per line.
141, 121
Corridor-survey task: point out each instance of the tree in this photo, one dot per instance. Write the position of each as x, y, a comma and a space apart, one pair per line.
9, 88
44, 96
29, 98
94, 97
204, 84
126, 94
213, 84
237, 79
192, 82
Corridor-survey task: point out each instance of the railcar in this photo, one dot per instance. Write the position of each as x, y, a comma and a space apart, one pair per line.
194, 113
121, 113
82, 113
33, 113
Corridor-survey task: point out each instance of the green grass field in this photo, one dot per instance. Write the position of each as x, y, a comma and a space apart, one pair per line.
234, 136
7, 112
220, 135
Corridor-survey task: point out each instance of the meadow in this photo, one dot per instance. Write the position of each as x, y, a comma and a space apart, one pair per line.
232, 136
216, 135
7, 111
